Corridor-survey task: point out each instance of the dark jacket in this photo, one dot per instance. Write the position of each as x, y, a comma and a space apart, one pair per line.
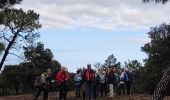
111, 78
48, 83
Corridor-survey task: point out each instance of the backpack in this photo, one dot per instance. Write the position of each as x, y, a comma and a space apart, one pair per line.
40, 80
77, 78
130, 76
126, 77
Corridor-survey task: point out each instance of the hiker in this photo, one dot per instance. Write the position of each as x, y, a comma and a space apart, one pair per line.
78, 82
62, 79
98, 83
122, 82
111, 81
116, 85
102, 81
128, 80
88, 78
106, 85
94, 84
43, 83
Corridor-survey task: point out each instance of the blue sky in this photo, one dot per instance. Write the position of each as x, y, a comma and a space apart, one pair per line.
87, 31
77, 48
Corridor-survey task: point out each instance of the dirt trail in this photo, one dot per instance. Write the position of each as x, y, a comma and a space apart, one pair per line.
71, 96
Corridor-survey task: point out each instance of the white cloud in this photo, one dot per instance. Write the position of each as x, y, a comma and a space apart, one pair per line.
139, 39
98, 14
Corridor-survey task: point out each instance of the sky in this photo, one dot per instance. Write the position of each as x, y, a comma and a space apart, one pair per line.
80, 32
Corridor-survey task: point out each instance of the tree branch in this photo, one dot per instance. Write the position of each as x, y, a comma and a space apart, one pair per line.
12, 29
17, 56
4, 36
6, 39
1, 36
15, 49
23, 39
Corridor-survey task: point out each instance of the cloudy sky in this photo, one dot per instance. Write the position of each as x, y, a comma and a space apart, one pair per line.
88, 31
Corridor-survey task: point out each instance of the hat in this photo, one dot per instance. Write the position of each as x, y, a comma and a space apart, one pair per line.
89, 65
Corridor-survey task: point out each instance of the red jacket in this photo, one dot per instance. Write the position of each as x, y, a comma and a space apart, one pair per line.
89, 75
62, 77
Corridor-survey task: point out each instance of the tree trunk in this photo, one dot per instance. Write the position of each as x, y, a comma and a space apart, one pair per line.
3, 90
6, 90
17, 88
162, 86
8, 48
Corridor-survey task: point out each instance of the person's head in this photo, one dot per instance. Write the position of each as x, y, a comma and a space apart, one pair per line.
78, 71
121, 70
106, 70
110, 69
88, 66
66, 70
126, 69
63, 69
114, 69
99, 70
117, 70
48, 71
103, 71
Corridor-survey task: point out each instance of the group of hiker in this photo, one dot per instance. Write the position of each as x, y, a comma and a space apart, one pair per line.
89, 83
44, 84
103, 82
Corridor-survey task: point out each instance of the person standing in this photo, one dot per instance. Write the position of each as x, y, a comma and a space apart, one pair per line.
128, 81
116, 85
111, 81
102, 81
62, 78
78, 81
122, 82
88, 78
98, 83
44, 84
106, 85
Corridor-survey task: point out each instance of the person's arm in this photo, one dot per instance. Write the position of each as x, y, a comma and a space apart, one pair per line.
84, 76
75, 77
67, 77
